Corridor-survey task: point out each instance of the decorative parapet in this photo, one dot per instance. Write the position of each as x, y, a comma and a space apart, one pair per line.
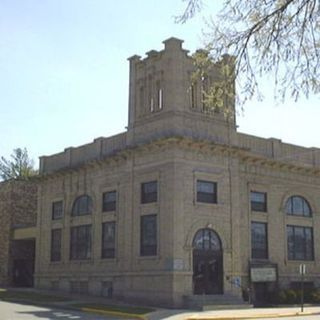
277, 150
76, 156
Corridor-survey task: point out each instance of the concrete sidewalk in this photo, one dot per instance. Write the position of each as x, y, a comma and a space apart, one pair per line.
78, 302
254, 313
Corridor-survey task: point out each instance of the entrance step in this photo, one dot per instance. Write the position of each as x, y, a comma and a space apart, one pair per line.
214, 302
226, 307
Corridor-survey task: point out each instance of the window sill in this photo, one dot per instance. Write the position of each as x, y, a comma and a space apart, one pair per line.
114, 259
146, 258
300, 261
259, 211
81, 261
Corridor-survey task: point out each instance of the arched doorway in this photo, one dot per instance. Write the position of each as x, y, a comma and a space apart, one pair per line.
207, 263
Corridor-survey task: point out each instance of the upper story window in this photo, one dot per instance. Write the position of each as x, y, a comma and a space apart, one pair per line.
149, 192
259, 240
109, 201
300, 243
258, 201
57, 210
82, 206
206, 191
298, 206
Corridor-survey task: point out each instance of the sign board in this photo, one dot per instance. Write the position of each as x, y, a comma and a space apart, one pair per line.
178, 264
263, 274
237, 282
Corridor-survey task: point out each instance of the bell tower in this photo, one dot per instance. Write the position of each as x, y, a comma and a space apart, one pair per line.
164, 101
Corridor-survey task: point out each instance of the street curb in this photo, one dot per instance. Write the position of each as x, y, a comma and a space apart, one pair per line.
258, 316
114, 313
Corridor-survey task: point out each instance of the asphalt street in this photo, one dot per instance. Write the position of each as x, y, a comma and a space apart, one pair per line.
15, 311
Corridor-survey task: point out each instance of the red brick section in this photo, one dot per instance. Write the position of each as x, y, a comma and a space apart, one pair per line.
18, 209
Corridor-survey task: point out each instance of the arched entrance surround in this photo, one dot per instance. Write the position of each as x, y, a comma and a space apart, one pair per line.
207, 262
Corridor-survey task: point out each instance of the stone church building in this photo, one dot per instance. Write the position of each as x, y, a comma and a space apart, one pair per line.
179, 206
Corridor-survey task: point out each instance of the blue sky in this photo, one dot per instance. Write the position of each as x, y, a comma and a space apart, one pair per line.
64, 73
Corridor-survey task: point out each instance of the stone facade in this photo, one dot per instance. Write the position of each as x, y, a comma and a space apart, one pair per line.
18, 211
203, 176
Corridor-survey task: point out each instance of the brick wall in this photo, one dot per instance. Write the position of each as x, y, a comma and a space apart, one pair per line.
18, 208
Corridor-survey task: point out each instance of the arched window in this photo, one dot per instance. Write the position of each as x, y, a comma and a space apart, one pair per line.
298, 206
82, 206
206, 239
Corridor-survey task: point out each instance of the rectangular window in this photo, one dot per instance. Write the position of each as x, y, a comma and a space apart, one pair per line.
258, 201
300, 243
259, 240
56, 244
57, 210
108, 240
109, 200
148, 238
80, 242
206, 191
149, 192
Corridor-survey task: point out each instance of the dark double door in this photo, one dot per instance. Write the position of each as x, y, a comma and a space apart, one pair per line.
207, 272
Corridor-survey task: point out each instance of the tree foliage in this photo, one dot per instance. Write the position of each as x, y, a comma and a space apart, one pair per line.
278, 38
20, 167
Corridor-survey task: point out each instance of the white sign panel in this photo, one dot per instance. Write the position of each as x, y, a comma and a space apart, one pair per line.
263, 274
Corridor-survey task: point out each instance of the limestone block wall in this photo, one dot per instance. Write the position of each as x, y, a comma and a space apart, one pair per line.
131, 275
279, 185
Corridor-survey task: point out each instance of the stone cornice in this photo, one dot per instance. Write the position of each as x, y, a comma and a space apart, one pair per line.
201, 146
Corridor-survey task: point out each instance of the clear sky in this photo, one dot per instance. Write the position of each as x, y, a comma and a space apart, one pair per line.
64, 73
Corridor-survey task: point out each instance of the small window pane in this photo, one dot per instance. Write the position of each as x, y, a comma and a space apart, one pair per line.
149, 192
148, 246
258, 201
109, 201
56, 245
80, 242
259, 240
82, 206
57, 210
206, 191
108, 239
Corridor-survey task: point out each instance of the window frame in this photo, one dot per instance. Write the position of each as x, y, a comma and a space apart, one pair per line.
108, 252
259, 253
290, 210
56, 214
56, 245
147, 250
259, 206
201, 196
85, 245
149, 197
76, 206
109, 206
292, 253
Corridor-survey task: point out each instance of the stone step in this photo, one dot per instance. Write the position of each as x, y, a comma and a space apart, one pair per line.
226, 306
226, 300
